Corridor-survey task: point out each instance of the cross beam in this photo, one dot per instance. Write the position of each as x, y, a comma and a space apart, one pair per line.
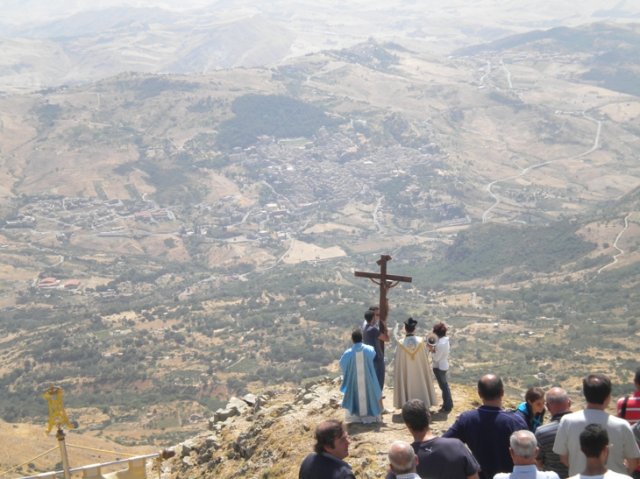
386, 282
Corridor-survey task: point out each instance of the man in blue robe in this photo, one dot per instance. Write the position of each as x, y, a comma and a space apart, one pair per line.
362, 393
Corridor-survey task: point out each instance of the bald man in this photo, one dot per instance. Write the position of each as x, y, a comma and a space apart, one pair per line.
558, 404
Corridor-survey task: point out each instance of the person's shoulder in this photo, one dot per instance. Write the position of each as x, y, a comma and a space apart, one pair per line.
348, 351
466, 417
308, 462
469, 413
572, 417
615, 475
547, 475
368, 348
449, 442
502, 475
513, 418
619, 422
622, 398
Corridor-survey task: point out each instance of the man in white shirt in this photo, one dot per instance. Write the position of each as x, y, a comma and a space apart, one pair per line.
597, 392
594, 444
524, 450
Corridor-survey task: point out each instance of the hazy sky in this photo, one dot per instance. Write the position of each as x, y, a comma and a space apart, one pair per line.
23, 11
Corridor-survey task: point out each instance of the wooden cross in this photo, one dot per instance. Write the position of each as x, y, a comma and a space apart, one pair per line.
386, 282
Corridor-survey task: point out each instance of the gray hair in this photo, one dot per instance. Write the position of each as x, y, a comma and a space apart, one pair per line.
556, 395
523, 443
402, 457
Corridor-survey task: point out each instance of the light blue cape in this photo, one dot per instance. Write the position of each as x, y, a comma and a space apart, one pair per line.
350, 381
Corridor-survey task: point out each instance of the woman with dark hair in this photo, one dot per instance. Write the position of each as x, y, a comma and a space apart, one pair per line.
532, 409
440, 360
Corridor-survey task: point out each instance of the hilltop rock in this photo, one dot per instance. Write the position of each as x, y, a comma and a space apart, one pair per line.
271, 434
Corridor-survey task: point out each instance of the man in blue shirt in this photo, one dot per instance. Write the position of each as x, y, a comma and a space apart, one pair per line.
487, 430
332, 446
524, 449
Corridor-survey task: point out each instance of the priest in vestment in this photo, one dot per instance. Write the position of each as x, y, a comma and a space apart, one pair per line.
412, 369
362, 393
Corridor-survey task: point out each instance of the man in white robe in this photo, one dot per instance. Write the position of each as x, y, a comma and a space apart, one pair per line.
412, 369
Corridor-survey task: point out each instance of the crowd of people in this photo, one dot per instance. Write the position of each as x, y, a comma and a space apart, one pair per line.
488, 442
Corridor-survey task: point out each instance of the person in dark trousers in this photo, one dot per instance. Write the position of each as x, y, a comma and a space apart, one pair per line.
440, 359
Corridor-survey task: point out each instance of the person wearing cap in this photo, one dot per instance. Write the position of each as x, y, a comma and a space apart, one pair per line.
412, 369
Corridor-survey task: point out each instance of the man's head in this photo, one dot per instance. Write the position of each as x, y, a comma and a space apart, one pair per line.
331, 438
597, 389
523, 447
415, 415
369, 316
402, 458
557, 400
356, 335
636, 379
490, 388
410, 325
594, 440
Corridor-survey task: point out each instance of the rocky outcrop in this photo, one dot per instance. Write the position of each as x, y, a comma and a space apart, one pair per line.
268, 435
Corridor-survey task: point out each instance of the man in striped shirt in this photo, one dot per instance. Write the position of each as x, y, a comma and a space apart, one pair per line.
558, 404
629, 406
629, 409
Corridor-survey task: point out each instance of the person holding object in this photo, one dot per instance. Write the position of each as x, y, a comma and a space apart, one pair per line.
439, 348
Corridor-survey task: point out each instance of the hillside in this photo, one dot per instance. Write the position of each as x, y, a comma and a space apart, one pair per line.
168, 241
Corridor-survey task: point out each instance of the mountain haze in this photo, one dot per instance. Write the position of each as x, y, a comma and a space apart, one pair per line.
169, 240
66, 43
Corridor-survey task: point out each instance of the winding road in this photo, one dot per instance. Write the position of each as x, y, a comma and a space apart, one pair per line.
496, 197
615, 245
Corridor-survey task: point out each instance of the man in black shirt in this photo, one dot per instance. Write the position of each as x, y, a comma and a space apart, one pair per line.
438, 457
